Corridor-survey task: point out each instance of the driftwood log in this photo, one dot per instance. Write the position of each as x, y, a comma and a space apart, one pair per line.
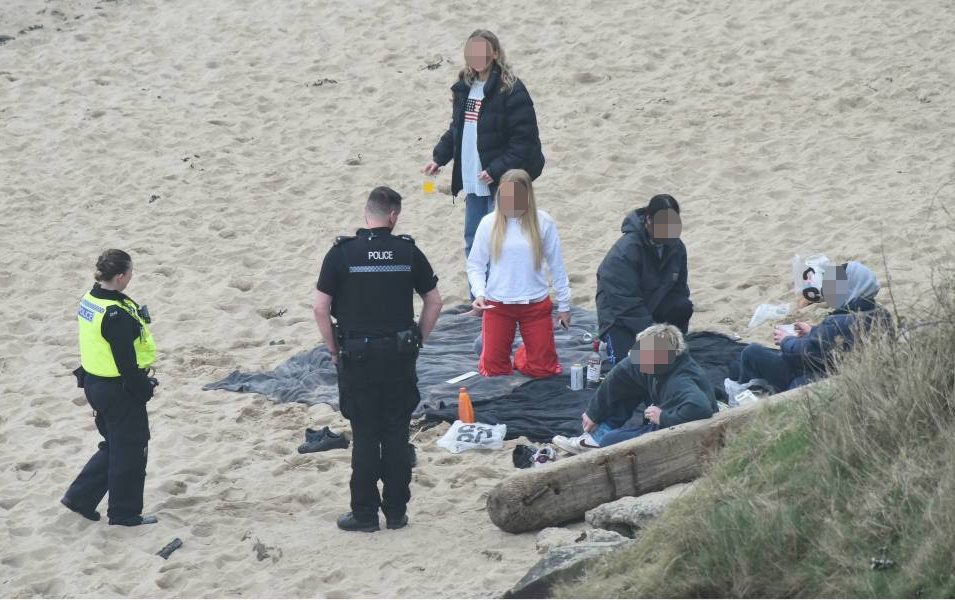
563, 491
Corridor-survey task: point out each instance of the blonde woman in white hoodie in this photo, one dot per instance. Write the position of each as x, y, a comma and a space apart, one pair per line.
509, 283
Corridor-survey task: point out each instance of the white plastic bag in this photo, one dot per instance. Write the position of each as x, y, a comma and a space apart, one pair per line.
768, 312
739, 394
819, 263
473, 436
745, 398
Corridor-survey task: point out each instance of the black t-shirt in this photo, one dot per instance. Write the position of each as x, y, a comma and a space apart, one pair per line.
372, 279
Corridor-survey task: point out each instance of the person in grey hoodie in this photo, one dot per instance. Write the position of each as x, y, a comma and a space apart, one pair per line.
850, 289
643, 278
660, 385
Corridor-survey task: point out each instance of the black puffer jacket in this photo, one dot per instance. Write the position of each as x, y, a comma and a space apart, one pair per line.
632, 280
507, 131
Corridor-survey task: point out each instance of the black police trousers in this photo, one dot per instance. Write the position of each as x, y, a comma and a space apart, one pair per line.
119, 466
377, 393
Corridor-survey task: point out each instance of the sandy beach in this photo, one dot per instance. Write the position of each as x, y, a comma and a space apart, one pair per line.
225, 145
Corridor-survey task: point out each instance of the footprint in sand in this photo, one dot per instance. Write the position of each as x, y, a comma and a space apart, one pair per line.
234, 495
203, 530
169, 581
12, 561
472, 476
424, 480
333, 577
173, 487
8, 503
448, 461
64, 441
47, 587
243, 285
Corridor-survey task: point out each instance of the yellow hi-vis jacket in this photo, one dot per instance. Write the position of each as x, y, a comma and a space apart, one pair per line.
95, 353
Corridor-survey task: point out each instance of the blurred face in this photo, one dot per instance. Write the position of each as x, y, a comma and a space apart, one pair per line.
835, 287
512, 199
478, 54
666, 226
653, 354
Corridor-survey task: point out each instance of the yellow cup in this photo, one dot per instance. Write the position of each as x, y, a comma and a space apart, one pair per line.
429, 186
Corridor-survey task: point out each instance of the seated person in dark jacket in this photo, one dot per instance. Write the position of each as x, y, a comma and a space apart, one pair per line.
660, 385
642, 280
850, 289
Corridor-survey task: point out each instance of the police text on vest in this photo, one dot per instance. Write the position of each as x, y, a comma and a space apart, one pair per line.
381, 255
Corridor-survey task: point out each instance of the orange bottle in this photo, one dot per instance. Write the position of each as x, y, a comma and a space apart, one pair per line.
465, 408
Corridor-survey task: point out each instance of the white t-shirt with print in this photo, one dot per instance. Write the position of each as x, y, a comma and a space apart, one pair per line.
470, 159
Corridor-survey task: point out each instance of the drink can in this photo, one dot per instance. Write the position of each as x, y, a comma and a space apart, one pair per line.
577, 377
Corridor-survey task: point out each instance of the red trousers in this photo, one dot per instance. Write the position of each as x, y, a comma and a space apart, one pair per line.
537, 357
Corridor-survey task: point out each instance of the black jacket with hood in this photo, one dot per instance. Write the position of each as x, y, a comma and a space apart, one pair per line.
507, 134
632, 279
683, 392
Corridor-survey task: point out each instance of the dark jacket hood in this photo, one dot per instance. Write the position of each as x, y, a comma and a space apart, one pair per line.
634, 223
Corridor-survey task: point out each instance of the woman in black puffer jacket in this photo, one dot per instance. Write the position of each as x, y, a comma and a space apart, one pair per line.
493, 130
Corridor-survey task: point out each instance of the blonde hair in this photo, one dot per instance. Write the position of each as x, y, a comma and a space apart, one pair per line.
669, 334
469, 75
529, 222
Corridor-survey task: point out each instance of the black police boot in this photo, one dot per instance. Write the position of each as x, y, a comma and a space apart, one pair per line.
92, 515
133, 521
396, 522
349, 522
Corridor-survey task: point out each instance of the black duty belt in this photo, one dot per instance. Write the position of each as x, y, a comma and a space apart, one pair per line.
351, 335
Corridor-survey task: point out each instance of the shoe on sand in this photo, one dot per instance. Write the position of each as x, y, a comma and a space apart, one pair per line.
320, 441
92, 515
396, 522
575, 445
349, 522
134, 521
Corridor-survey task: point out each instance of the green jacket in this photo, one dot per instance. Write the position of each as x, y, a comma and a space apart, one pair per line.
683, 393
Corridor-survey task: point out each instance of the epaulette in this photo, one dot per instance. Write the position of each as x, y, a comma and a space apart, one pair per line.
405, 237
343, 238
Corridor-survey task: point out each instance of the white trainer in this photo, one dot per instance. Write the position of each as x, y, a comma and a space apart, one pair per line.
575, 445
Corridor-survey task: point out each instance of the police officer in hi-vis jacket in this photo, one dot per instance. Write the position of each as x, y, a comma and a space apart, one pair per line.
116, 352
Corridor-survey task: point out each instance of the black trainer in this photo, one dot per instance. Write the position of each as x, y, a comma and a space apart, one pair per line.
320, 441
133, 521
348, 522
92, 515
315, 434
396, 522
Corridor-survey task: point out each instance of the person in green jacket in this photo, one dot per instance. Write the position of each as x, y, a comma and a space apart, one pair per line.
660, 380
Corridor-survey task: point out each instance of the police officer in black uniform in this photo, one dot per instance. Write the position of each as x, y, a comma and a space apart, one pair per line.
367, 283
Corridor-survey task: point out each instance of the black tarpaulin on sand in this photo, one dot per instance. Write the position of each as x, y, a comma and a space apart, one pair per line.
537, 409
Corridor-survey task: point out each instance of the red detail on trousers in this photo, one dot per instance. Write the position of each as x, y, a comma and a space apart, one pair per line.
536, 357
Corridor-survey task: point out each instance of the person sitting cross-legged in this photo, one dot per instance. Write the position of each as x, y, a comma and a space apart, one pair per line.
660, 385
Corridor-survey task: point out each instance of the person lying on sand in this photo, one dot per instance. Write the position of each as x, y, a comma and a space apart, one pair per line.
660, 382
850, 289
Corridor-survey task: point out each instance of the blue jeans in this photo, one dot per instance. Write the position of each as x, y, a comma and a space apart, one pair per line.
760, 362
614, 429
475, 207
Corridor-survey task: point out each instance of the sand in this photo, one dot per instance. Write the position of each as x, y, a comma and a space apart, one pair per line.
211, 140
